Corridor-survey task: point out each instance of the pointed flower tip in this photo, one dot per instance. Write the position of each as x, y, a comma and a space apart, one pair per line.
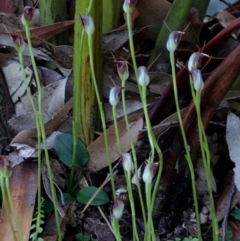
27, 16
149, 172
122, 69
127, 162
114, 95
18, 42
143, 77
129, 5
194, 60
88, 24
174, 39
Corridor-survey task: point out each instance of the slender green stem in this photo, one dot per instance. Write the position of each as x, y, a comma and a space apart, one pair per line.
20, 55
131, 199
131, 44
151, 137
13, 212
115, 226
206, 163
133, 154
6, 207
127, 177
39, 137
100, 106
150, 234
188, 156
114, 112
154, 145
42, 130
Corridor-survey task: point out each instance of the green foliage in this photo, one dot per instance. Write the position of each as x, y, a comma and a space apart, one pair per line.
38, 219
86, 193
84, 237
64, 147
235, 213
185, 239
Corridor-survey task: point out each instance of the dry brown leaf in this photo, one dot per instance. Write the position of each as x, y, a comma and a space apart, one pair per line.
53, 96
225, 18
114, 40
222, 204
29, 136
171, 120
133, 107
97, 151
41, 34
23, 184
13, 77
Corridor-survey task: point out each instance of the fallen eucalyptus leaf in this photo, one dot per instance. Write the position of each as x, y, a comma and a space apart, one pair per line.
233, 141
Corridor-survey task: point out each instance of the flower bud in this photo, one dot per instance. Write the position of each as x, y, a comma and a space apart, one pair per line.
143, 77
114, 95
118, 208
174, 39
127, 162
88, 24
122, 69
27, 16
149, 172
5, 167
194, 60
129, 5
18, 42
197, 79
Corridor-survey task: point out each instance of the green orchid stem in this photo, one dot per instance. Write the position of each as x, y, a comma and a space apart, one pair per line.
20, 55
115, 226
103, 120
127, 177
152, 138
7, 208
114, 113
132, 204
41, 130
205, 158
131, 45
133, 154
188, 156
9, 198
150, 234
154, 145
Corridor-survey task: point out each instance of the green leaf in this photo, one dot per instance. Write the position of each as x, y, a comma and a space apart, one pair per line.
39, 229
64, 147
235, 213
33, 226
86, 193
83, 237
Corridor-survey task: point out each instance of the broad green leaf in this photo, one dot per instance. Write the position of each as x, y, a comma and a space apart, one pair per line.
64, 147
86, 193
235, 213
